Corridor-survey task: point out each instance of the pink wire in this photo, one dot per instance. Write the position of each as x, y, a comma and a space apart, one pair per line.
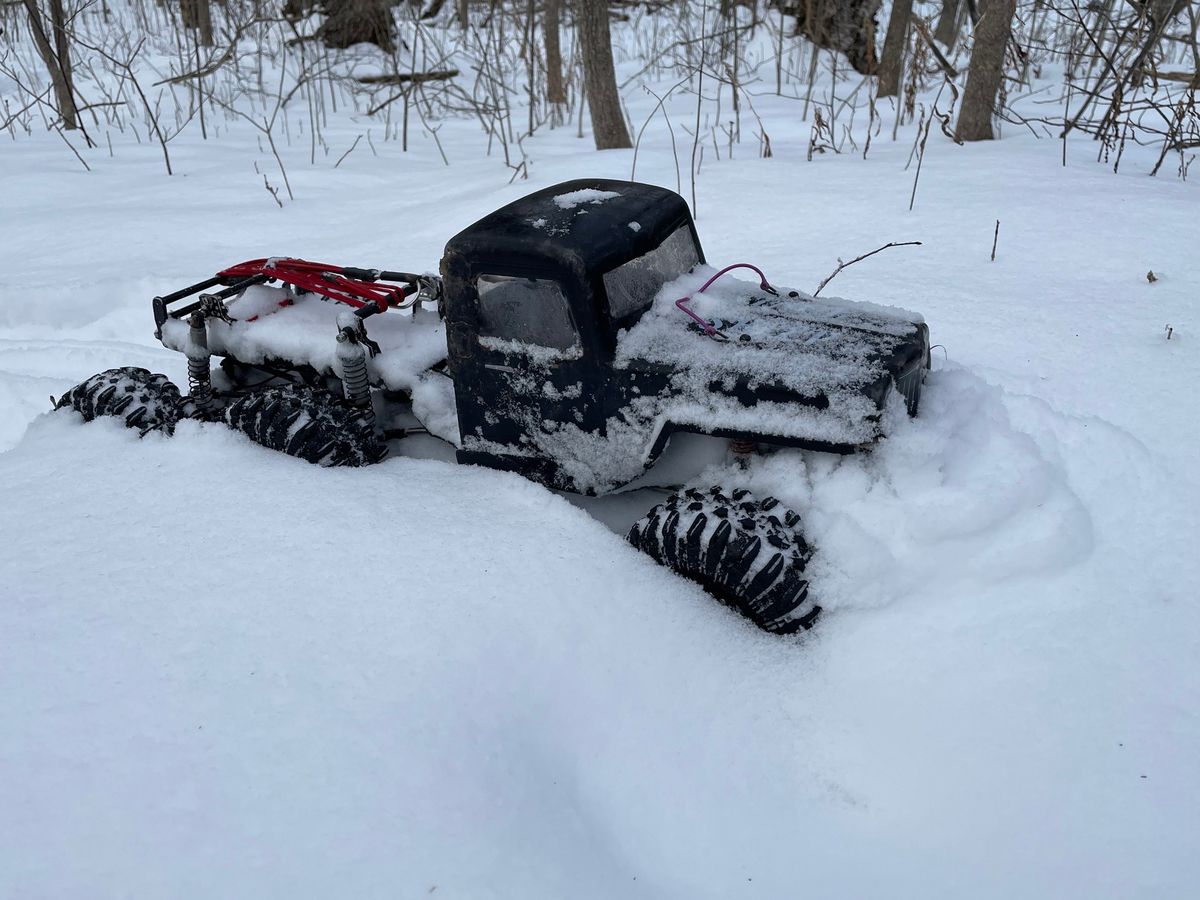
680, 304
703, 323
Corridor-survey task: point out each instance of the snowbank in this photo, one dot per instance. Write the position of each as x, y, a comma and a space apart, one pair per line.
241, 673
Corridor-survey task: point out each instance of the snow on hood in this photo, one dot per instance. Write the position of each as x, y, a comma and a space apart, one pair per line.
810, 345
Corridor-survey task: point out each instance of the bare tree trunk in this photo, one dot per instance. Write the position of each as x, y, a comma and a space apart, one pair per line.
948, 23
206, 31
599, 79
1159, 13
1163, 11
845, 25
987, 69
464, 13
891, 64
62, 45
198, 14
349, 22
556, 92
57, 61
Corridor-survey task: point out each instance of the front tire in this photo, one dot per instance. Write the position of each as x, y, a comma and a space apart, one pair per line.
747, 553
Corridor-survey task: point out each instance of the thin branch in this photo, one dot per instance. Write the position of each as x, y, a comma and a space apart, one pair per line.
923, 31
844, 265
348, 152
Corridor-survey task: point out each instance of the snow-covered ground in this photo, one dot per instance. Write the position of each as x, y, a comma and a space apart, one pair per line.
226, 673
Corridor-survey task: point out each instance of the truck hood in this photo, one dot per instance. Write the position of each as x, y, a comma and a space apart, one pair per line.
793, 365
789, 341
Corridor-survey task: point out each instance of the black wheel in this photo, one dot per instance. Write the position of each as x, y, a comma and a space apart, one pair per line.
309, 423
146, 401
747, 553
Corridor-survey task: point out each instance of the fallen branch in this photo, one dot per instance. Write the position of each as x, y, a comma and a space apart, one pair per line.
843, 265
1191, 79
406, 77
216, 62
207, 69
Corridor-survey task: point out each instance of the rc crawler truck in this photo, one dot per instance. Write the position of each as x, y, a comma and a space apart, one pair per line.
568, 337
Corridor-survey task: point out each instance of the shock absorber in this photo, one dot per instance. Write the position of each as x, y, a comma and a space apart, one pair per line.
352, 359
199, 373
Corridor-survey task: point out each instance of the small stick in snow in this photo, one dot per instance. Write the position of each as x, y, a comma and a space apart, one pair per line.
72, 149
348, 152
842, 265
995, 238
273, 191
1170, 331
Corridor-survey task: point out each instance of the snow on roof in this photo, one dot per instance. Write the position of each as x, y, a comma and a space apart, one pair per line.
587, 195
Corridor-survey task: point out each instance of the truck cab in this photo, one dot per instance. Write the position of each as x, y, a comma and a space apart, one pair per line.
535, 295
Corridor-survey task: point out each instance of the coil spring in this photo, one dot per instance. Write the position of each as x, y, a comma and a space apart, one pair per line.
199, 374
200, 384
354, 377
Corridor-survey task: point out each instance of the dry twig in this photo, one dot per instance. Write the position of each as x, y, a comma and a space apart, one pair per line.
843, 265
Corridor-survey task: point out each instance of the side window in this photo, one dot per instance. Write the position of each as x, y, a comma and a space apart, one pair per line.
525, 310
632, 286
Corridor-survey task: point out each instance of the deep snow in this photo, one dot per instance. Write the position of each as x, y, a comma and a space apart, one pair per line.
227, 673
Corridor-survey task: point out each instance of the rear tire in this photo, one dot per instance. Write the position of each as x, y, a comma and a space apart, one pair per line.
144, 400
747, 553
307, 423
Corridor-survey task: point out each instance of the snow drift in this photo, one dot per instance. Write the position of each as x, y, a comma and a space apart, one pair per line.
308, 682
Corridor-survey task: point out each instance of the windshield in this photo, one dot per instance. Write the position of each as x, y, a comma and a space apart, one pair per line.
632, 286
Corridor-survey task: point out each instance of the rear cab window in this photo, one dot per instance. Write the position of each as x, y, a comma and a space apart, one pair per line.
519, 311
